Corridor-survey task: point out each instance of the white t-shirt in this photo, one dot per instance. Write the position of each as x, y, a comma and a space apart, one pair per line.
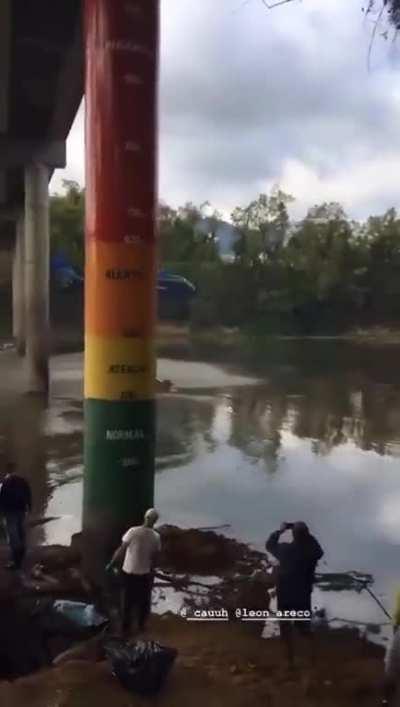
143, 544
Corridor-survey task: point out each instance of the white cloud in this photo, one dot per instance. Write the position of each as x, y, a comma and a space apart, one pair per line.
370, 186
250, 97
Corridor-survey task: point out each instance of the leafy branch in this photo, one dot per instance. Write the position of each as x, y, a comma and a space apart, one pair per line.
389, 7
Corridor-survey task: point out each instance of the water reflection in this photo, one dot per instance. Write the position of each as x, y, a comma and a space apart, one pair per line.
258, 416
321, 446
184, 430
327, 412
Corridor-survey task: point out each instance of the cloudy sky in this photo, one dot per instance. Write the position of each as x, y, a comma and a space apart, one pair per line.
251, 97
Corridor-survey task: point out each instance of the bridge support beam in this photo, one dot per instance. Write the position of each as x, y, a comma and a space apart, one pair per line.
18, 285
122, 40
37, 259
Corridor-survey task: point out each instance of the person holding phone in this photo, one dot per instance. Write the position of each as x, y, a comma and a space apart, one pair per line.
295, 577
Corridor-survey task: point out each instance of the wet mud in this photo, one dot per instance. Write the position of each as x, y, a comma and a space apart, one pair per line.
218, 663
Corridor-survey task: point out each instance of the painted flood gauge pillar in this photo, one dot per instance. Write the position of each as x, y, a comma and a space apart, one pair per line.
121, 47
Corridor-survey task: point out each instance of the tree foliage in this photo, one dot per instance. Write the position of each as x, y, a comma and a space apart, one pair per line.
324, 273
263, 226
181, 240
67, 222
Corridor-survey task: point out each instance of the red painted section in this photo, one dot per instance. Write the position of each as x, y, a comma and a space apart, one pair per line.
122, 40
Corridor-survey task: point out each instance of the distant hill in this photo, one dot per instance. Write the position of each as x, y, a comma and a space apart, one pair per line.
225, 233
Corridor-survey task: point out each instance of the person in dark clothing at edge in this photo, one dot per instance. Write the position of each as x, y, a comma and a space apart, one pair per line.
15, 502
295, 577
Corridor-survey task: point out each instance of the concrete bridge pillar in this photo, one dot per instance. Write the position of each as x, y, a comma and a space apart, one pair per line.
121, 44
18, 285
37, 263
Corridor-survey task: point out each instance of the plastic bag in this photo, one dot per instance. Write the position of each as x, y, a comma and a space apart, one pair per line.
141, 667
80, 614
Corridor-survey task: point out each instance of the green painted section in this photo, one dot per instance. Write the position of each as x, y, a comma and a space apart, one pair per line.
119, 461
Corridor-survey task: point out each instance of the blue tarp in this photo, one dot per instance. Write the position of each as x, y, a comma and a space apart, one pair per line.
169, 285
80, 614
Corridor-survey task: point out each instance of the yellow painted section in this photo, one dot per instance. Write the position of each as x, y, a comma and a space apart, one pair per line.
119, 368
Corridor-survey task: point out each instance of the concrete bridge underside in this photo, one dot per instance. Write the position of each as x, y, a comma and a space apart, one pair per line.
41, 87
43, 47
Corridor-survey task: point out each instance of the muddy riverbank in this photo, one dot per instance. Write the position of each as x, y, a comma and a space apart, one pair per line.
218, 663
216, 666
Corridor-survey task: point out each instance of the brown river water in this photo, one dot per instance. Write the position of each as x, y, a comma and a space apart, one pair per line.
299, 437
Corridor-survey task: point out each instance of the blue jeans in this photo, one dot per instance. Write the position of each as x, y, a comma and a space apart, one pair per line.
16, 535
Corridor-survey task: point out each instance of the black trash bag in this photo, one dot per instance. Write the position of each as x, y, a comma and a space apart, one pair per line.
141, 667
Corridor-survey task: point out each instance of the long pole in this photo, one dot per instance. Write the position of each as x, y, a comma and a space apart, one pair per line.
122, 44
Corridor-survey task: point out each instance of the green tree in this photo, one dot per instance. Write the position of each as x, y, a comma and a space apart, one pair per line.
181, 238
322, 258
67, 215
263, 226
382, 280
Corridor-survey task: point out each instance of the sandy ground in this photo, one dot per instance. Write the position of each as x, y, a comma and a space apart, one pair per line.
67, 375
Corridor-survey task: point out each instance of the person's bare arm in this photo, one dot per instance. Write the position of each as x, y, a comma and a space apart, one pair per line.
118, 555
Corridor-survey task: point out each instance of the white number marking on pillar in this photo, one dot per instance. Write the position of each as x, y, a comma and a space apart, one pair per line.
131, 146
130, 462
133, 80
133, 10
123, 45
135, 213
134, 240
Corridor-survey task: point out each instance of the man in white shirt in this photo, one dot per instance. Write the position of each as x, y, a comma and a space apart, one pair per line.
140, 547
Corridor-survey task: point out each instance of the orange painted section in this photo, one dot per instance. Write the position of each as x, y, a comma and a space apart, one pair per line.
120, 293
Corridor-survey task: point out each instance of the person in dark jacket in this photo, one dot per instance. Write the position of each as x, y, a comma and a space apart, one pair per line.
295, 577
15, 502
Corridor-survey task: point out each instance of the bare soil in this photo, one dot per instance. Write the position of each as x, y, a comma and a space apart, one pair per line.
217, 665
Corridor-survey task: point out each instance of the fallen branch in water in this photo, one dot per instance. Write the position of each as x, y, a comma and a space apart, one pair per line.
359, 623
34, 522
178, 582
215, 527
